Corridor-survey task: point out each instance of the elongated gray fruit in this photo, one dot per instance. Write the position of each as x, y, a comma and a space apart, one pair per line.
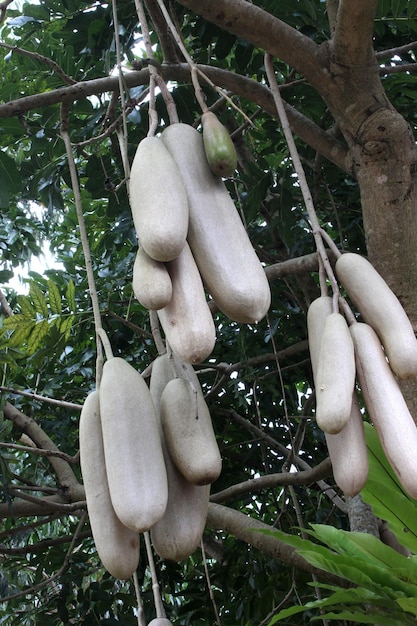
178, 534
381, 309
188, 431
386, 406
335, 375
228, 264
132, 446
158, 201
117, 546
151, 281
187, 320
347, 449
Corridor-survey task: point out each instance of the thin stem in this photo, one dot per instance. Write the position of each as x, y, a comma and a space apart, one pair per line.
308, 200
212, 598
123, 137
159, 607
155, 76
106, 343
141, 612
81, 223
195, 71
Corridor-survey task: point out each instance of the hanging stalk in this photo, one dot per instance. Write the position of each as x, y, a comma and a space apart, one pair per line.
195, 71
308, 200
159, 607
122, 136
100, 332
155, 75
141, 612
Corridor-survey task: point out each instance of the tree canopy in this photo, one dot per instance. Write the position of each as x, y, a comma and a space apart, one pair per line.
81, 83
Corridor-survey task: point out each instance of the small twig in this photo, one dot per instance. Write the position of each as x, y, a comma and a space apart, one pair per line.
156, 332
43, 59
115, 124
121, 136
35, 396
40, 451
48, 503
210, 588
3, 9
5, 305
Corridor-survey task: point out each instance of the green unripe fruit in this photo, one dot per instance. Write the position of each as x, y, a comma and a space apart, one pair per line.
219, 148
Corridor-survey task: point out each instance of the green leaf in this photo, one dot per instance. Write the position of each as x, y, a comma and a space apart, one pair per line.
21, 333
386, 497
38, 333
65, 325
408, 604
361, 545
54, 298
356, 571
26, 307
38, 299
10, 181
70, 295
362, 618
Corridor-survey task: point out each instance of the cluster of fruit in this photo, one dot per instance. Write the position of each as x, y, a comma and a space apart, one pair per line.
377, 351
149, 453
192, 239
148, 456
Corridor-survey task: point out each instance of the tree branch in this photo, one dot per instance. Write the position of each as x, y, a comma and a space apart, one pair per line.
332, 149
263, 30
352, 41
244, 527
49, 505
305, 477
66, 477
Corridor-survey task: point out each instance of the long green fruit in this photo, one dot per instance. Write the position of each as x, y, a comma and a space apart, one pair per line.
228, 264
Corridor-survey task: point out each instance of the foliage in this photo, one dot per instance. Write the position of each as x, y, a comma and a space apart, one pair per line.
384, 580
258, 380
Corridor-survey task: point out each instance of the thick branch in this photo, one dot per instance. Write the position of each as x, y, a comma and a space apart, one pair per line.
242, 86
305, 477
48, 505
169, 48
243, 527
352, 41
66, 477
263, 30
